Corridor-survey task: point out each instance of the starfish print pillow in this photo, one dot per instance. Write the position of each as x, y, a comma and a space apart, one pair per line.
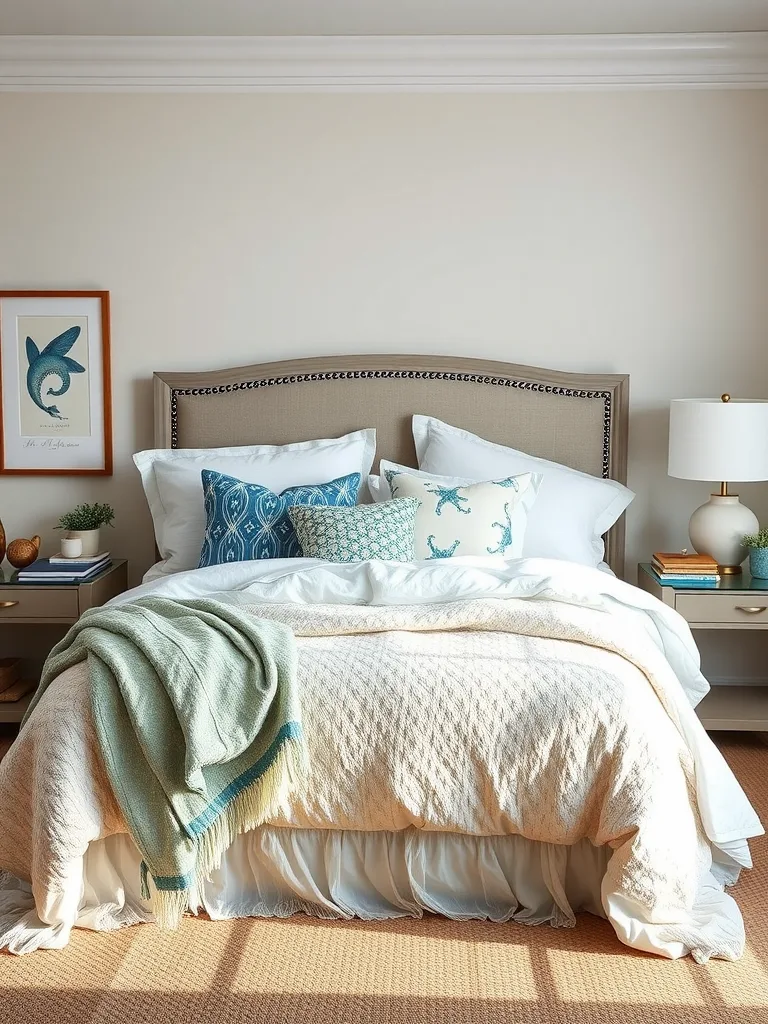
487, 518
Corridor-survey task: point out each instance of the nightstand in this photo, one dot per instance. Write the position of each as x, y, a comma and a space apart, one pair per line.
736, 602
54, 604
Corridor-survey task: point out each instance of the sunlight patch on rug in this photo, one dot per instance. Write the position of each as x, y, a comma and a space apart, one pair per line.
373, 962
744, 984
586, 976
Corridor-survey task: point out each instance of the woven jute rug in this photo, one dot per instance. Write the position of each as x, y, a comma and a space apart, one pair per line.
398, 972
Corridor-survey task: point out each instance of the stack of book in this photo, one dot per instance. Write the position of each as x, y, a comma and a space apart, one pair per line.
677, 569
58, 569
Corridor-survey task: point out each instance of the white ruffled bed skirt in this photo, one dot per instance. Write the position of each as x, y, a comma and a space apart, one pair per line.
371, 875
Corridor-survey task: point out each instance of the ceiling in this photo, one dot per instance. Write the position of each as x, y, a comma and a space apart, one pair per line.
377, 17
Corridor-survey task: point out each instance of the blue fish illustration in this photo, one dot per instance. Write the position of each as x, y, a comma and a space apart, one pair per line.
52, 360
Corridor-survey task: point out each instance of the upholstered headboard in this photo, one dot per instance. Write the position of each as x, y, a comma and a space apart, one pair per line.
573, 418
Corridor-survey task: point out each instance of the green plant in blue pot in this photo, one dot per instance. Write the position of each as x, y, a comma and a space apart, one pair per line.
758, 553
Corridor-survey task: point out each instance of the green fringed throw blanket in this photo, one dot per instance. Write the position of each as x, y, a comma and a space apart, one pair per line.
196, 711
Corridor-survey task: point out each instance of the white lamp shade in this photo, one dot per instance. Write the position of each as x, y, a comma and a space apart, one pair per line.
714, 440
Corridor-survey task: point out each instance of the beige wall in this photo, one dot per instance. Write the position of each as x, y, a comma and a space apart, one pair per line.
619, 232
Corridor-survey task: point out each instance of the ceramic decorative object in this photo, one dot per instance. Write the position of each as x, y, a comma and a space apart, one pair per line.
89, 541
22, 552
758, 563
757, 544
2, 541
71, 547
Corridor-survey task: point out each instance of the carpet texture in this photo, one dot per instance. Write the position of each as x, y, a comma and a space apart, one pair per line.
401, 971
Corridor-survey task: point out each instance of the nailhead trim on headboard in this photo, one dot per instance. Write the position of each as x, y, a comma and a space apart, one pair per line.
473, 378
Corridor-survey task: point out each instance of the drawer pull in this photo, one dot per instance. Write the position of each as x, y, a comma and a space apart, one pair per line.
8, 604
751, 609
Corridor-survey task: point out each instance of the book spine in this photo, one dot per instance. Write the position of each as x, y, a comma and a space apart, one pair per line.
711, 577
700, 585
685, 566
686, 582
63, 563
688, 575
682, 581
668, 571
60, 560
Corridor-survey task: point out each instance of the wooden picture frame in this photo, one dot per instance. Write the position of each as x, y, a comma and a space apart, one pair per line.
55, 383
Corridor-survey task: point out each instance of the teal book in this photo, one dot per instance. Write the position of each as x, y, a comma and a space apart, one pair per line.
688, 582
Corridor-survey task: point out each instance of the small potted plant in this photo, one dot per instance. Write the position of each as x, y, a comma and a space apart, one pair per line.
84, 522
758, 553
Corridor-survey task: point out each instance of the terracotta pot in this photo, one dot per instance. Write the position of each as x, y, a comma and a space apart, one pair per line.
22, 552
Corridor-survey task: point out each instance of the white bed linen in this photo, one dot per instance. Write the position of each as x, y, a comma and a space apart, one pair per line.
726, 815
276, 872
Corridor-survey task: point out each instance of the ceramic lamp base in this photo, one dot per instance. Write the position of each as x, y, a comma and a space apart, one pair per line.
717, 527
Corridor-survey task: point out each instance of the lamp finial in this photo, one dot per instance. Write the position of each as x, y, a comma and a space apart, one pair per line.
725, 398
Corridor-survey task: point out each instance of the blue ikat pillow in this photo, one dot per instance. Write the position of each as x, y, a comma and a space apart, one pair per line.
248, 521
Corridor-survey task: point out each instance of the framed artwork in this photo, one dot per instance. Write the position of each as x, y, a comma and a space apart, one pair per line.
55, 406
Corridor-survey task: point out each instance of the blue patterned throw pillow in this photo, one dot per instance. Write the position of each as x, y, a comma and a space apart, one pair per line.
247, 521
357, 534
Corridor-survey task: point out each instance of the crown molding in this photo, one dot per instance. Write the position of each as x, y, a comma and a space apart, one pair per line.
381, 63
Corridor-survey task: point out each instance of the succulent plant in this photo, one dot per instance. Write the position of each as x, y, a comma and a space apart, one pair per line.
756, 540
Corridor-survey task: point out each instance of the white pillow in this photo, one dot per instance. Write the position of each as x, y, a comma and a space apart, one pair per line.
572, 512
174, 490
486, 518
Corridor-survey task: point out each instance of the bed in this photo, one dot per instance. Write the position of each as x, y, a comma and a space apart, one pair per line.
510, 739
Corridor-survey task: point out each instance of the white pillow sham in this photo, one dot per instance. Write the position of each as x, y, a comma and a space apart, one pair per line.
572, 512
486, 518
379, 487
173, 486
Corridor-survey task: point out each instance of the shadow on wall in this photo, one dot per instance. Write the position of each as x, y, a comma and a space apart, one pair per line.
136, 536
652, 524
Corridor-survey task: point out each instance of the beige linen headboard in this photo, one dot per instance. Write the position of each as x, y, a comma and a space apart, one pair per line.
573, 418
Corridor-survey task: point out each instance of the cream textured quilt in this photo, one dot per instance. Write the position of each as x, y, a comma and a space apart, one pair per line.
557, 719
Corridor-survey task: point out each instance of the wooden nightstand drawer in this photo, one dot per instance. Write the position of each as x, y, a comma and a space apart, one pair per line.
738, 602
28, 604
738, 609
38, 603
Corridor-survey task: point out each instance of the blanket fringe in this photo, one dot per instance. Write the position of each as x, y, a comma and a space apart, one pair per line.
169, 906
249, 809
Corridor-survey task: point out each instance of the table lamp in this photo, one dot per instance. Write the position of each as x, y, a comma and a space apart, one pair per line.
719, 439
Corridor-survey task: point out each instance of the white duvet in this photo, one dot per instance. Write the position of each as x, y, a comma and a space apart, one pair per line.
476, 697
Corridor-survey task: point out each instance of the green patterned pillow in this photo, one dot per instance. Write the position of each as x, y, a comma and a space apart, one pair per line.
356, 534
